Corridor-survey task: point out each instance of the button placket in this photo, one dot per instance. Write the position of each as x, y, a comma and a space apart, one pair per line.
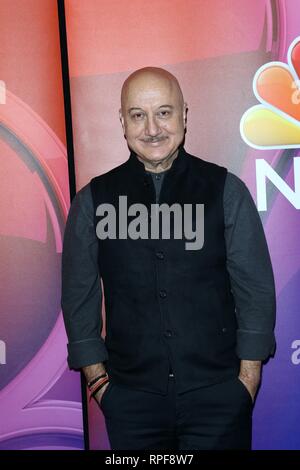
162, 294
160, 255
168, 334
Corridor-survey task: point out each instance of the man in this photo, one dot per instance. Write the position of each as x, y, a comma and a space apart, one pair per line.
186, 328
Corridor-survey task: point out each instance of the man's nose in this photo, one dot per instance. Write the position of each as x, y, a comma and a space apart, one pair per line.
152, 127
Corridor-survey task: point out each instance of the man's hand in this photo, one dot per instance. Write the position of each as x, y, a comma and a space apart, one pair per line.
91, 372
250, 373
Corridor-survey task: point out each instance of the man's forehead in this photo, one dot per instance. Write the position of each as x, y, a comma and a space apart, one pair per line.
146, 83
150, 84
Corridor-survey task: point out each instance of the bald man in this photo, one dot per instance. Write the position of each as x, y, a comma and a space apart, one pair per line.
188, 284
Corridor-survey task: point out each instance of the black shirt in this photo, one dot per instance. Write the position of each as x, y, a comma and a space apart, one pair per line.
248, 264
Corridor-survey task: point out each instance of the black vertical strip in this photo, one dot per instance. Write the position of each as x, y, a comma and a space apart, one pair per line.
85, 416
67, 94
71, 165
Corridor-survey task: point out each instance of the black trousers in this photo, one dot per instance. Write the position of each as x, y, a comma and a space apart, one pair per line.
216, 417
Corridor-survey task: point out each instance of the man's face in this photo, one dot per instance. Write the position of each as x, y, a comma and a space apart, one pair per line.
153, 118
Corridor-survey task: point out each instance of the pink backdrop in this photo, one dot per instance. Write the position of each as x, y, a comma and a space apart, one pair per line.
40, 402
214, 48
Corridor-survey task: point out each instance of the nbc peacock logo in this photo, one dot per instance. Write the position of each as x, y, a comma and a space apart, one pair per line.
275, 123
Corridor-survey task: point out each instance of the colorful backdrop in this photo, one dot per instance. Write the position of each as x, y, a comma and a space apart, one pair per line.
214, 48
239, 66
40, 402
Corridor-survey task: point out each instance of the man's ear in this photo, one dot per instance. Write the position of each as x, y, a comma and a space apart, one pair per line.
185, 111
121, 120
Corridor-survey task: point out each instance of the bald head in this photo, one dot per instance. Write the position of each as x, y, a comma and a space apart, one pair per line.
151, 78
153, 116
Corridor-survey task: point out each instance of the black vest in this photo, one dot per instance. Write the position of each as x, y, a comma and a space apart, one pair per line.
167, 306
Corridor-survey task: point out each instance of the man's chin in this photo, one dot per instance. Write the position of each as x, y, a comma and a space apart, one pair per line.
156, 154
155, 158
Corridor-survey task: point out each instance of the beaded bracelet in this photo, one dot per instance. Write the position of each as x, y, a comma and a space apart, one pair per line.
99, 382
98, 387
92, 382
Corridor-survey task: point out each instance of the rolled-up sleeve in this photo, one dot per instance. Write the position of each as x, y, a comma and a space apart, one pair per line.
251, 274
81, 287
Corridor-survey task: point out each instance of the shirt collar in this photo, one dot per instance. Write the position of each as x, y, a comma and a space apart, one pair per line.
177, 166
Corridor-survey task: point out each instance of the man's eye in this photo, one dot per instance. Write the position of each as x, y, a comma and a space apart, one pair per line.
164, 113
137, 116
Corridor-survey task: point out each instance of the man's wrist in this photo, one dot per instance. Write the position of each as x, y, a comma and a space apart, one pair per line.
95, 380
93, 371
250, 374
250, 371
97, 384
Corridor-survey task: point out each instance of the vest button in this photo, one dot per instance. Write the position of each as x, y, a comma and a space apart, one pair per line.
224, 330
160, 255
162, 294
168, 333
